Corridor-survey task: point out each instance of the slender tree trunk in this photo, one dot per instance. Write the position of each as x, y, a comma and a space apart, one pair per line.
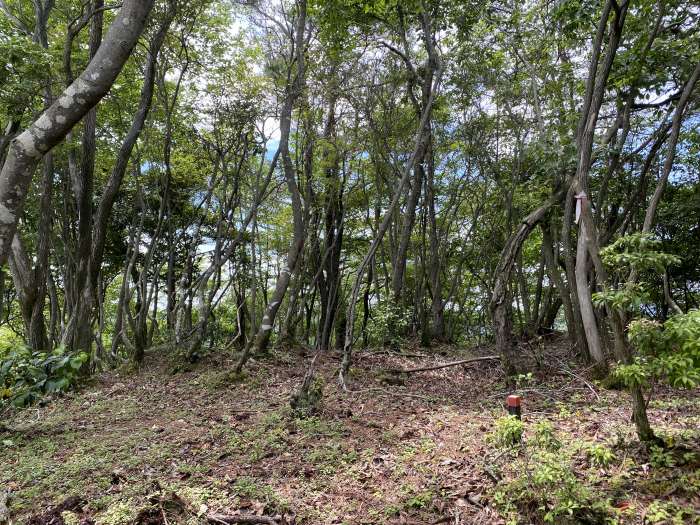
437, 305
422, 134
93, 229
80, 337
294, 91
671, 149
409, 219
555, 276
595, 89
33, 285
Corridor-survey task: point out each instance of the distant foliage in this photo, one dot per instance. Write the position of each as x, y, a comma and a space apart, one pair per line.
388, 325
23, 63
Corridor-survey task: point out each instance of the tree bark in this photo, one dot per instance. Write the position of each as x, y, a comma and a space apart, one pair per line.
93, 229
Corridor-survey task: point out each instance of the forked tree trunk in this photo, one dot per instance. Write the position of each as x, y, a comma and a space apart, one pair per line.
92, 241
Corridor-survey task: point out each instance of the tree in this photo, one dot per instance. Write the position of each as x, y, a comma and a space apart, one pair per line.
27, 149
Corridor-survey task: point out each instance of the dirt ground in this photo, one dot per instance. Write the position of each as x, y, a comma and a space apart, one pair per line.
197, 446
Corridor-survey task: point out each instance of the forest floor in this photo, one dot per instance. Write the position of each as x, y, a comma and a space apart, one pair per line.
156, 447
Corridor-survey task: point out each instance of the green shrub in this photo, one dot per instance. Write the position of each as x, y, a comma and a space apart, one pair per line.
668, 351
508, 432
546, 490
25, 376
540, 484
600, 455
666, 512
545, 437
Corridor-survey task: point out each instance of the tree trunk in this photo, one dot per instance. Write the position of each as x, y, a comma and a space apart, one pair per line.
583, 290
294, 91
409, 218
422, 134
93, 233
333, 229
671, 149
501, 298
555, 277
437, 305
27, 149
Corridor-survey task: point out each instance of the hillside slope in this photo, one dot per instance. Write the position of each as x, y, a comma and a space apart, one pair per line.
200, 446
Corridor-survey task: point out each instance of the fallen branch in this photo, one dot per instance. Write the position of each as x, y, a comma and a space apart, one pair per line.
444, 365
240, 518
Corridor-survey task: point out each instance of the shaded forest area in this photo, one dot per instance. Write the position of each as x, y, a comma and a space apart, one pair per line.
282, 261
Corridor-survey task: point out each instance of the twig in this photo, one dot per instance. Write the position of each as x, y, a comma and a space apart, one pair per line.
576, 376
443, 365
240, 518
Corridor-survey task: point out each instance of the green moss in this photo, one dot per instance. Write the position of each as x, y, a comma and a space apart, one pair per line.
119, 513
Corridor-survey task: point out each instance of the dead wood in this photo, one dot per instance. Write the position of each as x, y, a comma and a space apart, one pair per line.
443, 365
240, 518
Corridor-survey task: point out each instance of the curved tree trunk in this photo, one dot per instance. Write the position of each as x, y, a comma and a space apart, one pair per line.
501, 298
671, 149
27, 149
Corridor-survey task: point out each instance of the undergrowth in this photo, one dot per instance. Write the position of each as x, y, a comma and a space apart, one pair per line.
545, 478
